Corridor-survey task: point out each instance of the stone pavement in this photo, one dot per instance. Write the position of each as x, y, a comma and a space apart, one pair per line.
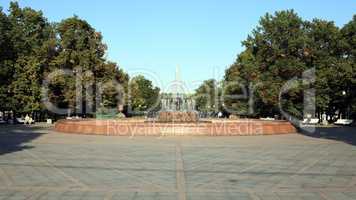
36, 163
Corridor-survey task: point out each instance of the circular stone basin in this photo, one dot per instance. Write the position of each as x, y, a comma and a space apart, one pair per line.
177, 116
140, 127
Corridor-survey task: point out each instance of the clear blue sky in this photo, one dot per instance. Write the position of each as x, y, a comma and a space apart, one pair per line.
203, 37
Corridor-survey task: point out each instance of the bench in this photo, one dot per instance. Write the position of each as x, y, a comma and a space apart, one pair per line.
344, 122
310, 121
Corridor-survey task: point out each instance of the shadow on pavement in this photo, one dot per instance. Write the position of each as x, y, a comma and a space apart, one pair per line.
14, 137
344, 134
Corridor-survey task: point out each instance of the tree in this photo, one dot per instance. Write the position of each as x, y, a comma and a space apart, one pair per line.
281, 48
207, 96
240, 79
143, 96
277, 46
70, 54
32, 37
7, 56
114, 82
80, 51
324, 52
349, 65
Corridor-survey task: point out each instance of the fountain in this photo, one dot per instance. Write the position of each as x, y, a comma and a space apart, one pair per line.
177, 108
176, 117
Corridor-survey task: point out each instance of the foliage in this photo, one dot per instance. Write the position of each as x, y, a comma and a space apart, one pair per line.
207, 96
143, 96
7, 57
31, 37
280, 49
70, 54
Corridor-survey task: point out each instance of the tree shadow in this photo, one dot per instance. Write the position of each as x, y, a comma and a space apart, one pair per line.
344, 134
13, 138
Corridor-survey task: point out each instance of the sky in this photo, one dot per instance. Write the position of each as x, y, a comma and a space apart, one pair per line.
202, 37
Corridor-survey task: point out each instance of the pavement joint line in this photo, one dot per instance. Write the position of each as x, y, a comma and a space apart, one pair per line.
76, 181
325, 153
198, 163
37, 195
253, 195
298, 173
180, 176
108, 189
6, 177
324, 196
258, 163
209, 160
353, 182
141, 180
109, 195
89, 189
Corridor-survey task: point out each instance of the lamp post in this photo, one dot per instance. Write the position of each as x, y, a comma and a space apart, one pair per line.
344, 93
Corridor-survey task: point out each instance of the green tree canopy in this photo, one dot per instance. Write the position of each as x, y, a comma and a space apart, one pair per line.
207, 96
143, 96
281, 48
7, 57
32, 38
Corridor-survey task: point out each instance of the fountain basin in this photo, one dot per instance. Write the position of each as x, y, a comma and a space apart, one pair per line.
140, 127
177, 116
